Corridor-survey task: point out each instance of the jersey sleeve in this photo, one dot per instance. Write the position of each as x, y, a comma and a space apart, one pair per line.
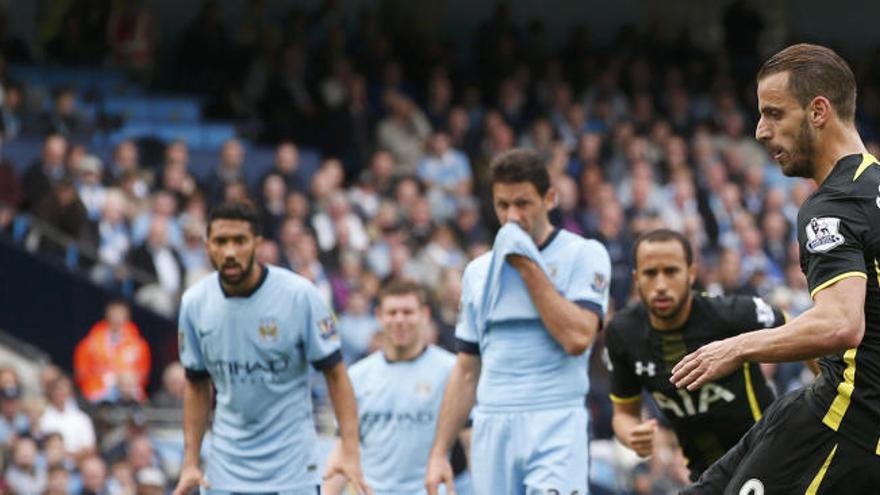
753, 313
591, 278
625, 386
321, 339
188, 345
466, 335
831, 236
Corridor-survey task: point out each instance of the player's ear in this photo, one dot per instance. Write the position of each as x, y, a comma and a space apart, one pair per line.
819, 111
551, 199
692, 274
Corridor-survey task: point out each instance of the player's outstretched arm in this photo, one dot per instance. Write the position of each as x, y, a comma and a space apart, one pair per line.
629, 428
196, 408
458, 400
348, 462
571, 325
836, 322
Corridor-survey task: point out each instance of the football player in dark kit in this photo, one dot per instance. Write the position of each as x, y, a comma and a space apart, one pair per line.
824, 438
645, 340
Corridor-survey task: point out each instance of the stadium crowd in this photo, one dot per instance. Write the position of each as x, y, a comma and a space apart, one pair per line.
649, 131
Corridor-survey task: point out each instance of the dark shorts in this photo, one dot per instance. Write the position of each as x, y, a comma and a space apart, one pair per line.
790, 451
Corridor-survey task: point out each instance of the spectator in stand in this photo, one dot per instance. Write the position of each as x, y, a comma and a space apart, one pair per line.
58, 480
173, 382
112, 349
357, 326
338, 212
447, 174
26, 475
62, 415
272, 204
10, 111
63, 211
161, 263
93, 472
151, 481
164, 204
14, 422
193, 254
140, 453
113, 236
65, 118
39, 178
126, 160
91, 190
228, 171
403, 131
287, 166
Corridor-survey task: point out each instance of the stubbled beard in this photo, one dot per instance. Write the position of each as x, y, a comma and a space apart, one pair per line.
673, 312
802, 156
245, 272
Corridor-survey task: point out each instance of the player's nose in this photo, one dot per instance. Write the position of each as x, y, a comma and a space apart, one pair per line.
762, 131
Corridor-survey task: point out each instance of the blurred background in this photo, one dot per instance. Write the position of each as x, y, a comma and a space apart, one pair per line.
362, 130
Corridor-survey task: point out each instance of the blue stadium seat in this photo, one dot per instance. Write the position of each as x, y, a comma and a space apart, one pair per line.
155, 108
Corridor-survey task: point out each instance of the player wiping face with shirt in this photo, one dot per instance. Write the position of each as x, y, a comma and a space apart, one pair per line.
530, 310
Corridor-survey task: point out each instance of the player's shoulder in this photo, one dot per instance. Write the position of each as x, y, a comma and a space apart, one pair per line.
207, 286
854, 177
440, 356
478, 266
627, 321
720, 301
282, 279
366, 365
859, 173
577, 241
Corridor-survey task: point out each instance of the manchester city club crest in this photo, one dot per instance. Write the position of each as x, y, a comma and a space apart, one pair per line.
823, 234
268, 330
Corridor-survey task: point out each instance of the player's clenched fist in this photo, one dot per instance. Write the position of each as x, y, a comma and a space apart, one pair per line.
190, 479
439, 472
641, 437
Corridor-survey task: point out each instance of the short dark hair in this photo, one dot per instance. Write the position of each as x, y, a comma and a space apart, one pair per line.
521, 165
815, 71
402, 287
118, 301
235, 210
664, 235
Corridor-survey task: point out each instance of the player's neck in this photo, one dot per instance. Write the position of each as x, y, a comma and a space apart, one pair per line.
543, 233
674, 323
247, 285
395, 354
842, 141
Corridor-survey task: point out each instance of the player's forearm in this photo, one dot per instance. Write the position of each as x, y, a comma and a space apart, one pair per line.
458, 399
813, 334
344, 406
196, 408
622, 424
571, 326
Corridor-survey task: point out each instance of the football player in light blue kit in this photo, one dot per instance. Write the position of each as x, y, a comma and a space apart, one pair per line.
530, 310
252, 331
398, 389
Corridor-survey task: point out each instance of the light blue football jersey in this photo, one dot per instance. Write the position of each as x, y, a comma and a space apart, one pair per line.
523, 367
257, 350
398, 406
